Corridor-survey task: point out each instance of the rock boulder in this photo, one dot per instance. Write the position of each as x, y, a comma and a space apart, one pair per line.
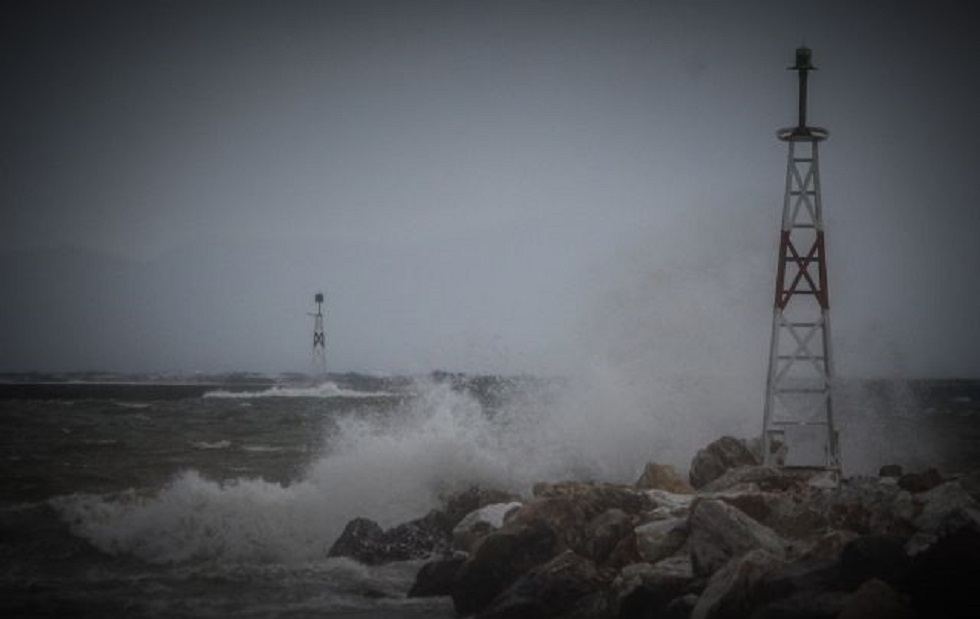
436, 578
604, 534
725, 453
547, 590
477, 524
644, 590
365, 541
663, 477
655, 541
499, 559
720, 532
732, 590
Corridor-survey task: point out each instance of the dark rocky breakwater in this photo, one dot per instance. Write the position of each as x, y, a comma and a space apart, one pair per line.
734, 540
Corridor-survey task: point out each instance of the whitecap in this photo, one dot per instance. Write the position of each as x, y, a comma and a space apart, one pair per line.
133, 405
211, 445
323, 390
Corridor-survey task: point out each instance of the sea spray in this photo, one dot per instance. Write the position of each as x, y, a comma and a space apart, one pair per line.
390, 467
392, 463
673, 349
194, 519
891, 412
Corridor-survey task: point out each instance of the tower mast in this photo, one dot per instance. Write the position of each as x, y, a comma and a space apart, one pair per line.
799, 411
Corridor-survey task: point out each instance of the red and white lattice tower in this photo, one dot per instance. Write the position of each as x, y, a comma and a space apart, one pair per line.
799, 411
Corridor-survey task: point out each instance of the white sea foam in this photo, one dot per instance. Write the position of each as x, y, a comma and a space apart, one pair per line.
211, 445
132, 405
323, 390
195, 519
391, 468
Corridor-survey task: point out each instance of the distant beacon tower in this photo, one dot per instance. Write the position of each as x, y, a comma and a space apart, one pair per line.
319, 339
799, 412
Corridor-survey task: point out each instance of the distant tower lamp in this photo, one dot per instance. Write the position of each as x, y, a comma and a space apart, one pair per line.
799, 412
319, 339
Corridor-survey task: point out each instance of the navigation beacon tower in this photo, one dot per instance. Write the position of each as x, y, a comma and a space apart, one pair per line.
319, 339
799, 412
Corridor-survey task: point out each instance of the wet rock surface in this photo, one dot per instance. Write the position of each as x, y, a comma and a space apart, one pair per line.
753, 541
718, 457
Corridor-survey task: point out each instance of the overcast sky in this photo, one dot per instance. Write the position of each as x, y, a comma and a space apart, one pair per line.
478, 186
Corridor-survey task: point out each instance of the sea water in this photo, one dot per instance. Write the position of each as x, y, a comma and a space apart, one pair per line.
169, 502
218, 505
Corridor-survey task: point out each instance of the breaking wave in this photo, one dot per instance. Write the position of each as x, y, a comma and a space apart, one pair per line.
323, 390
389, 467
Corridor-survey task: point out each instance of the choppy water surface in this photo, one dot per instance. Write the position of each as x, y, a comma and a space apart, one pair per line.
169, 502
196, 507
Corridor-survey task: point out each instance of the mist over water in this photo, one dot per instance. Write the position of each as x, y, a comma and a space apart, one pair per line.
662, 366
674, 348
671, 355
